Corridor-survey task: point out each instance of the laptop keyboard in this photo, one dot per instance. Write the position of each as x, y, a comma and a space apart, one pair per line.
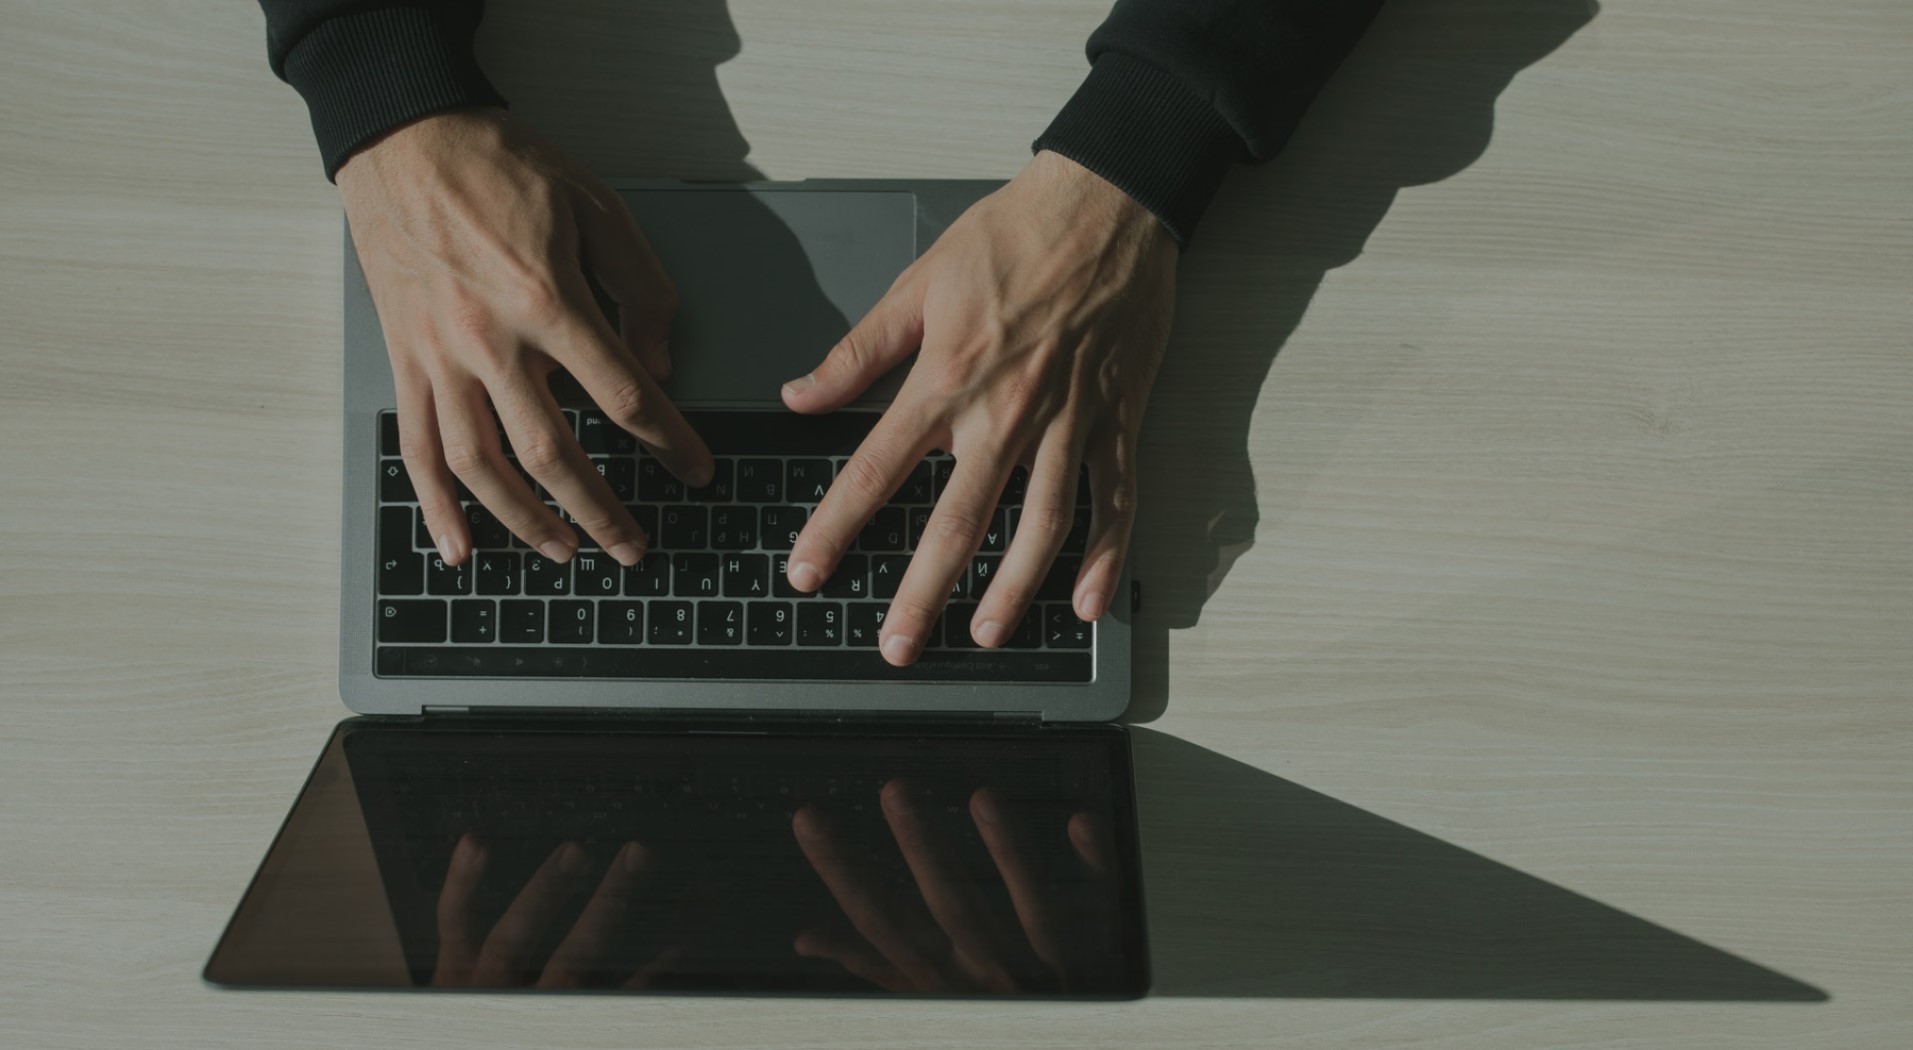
710, 598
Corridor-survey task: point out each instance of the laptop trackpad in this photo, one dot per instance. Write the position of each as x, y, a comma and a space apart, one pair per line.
769, 280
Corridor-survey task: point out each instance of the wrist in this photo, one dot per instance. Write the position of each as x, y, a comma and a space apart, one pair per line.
1086, 195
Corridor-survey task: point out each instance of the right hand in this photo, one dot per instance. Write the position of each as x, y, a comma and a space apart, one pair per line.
474, 236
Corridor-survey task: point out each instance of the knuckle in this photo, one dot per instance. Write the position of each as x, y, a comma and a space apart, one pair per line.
541, 455
956, 528
466, 458
627, 403
1046, 523
865, 479
536, 300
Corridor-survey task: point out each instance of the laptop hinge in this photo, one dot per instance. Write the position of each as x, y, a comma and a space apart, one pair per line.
680, 714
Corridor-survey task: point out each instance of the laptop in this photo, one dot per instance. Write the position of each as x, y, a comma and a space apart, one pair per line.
683, 775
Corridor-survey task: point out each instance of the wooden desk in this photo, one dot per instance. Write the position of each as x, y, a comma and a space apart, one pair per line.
1569, 528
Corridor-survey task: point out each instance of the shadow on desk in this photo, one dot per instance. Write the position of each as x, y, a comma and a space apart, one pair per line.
1258, 887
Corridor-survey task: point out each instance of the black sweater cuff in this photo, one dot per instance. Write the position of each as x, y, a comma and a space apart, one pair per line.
1146, 133
367, 73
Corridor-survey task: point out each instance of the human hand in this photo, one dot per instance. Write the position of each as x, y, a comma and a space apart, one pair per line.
1042, 314
475, 236
1064, 917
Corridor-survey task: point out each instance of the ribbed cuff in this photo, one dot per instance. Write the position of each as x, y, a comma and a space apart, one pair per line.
1149, 135
365, 74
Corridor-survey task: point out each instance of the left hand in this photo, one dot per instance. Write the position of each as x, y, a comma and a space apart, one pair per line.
1042, 314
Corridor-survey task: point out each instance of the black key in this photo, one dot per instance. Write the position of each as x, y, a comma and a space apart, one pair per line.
720, 623
656, 484
1082, 485
1061, 628
621, 475
982, 569
544, 576
885, 531
600, 436
497, 572
780, 578
770, 623
521, 621
474, 620
806, 480
487, 532
647, 518
627, 663
996, 535
416, 620
685, 528
441, 578
733, 528
585, 542
961, 589
942, 467
917, 488
694, 576
760, 481
1029, 630
1015, 489
886, 572
670, 623
1078, 537
820, 623
956, 625
781, 526
649, 578
851, 580
1060, 584
863, 621
395, 485
388, 434
595, 575
746, 575
421, 533
570, 622
620, 623
719, 490
400, 570
571, 420
919, 520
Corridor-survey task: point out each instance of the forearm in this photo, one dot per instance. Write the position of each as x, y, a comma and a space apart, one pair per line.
363, 72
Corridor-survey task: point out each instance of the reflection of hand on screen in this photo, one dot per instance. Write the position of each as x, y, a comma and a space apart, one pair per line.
513, 952
1062, 931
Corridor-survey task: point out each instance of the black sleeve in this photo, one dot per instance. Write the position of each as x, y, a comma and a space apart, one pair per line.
1178, 90
365, 68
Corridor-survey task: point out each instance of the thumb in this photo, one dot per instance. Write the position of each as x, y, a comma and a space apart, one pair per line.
617, 254
886, 335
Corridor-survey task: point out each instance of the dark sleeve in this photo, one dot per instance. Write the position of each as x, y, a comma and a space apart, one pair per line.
365, 68
1178, 90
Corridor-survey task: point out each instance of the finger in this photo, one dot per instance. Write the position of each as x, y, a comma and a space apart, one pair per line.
424, 457
862, 903
949, 541
867, 481
1112, 495
1005, 843
475, 455
604, 918
508, 950
455, 934
656, 968
550, 453
886, 335
620, 257
1049, 505
974, 935
854, 954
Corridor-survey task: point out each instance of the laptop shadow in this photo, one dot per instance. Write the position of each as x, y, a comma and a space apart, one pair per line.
1412, 105
1261, 888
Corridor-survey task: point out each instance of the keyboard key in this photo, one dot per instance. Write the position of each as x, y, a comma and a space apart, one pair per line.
487, 532
781, 526
820, 623
595, 575
1061, 628
400, 570
686, 528
863, 621
720, 623
421, 533
982, 568
620, 623
620, 474
521, 621
1082, 485
770, 623
694, 575
760, 481
942, 467
649, 578
851, 580
570, 623
780, 578
1060, 584
656, 484
996, 535
886, 572
746, 575
719, 490
733, 528
600, 436
885, 531
497, 572
395, 485
956, 625
1015, 488
961, 589
1078, 538
417, 620
474, 620
919, 520
806, 480
670, 623
917, 489
544, 576
441, 578
388, 434
1029, 630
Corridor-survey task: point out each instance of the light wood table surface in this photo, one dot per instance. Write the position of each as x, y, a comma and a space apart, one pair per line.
1527, 644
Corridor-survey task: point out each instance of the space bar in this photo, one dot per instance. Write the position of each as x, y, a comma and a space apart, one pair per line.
844, 665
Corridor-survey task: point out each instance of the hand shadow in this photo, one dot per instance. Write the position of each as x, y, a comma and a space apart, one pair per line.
1412, 105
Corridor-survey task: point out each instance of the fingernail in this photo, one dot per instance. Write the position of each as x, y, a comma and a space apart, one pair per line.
627, 553
801, 383
445, 548
1092, 604
632, 858
805, 577
898, 648
702, 475
572, 861
555, 550
989, 633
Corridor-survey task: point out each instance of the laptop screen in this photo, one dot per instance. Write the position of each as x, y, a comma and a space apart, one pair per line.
726, 858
